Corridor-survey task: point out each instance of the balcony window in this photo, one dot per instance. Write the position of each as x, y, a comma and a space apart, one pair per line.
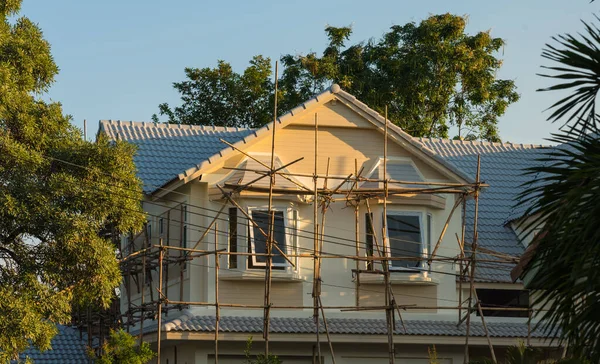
258, 241
405, 239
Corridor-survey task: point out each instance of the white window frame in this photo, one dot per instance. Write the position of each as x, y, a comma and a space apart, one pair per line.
289, 230
418, 214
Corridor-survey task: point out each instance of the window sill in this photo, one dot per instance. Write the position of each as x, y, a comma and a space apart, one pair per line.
259, 275
398, 277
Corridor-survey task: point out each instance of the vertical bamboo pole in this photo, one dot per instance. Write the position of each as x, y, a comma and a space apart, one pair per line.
389, 310
315, 292
85, 130
143, 300
269, 247
485, 329
327, 331
461, 244
182, 254
357, 237
217, 308
473, 257
159, 308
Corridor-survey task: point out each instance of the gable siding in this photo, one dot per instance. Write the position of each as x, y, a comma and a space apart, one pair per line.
334, 114
341, 145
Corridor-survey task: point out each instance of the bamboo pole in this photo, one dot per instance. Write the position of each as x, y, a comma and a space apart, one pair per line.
389, 300
269, 246
316, 262
205, 233
391, 181
327, 331
182, 254
473, 257
461, 244
357, 236
443, 233
341, 308
217, 307
159, 308
143, 286
485, 329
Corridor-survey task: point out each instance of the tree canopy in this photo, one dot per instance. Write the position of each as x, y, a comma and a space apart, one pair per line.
57, 192
121, 348
432, 76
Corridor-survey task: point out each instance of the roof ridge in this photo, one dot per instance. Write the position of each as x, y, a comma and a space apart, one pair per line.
486, 143
151, 124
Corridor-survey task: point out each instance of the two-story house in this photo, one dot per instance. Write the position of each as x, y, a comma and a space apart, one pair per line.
207, 196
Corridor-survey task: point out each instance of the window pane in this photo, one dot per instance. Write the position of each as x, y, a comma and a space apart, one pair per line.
404, 232
369, 239
233, 236
261, 217
500, 298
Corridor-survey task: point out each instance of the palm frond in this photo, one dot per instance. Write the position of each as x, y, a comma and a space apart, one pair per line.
579, 71
565, 198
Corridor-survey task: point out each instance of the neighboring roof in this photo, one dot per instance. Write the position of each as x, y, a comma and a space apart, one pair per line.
67, 347
169, 152
305, 325
502, 166
166, 150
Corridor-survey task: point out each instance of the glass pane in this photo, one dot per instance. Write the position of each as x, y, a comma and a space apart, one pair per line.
404, 232
369, 238
261, 217
233, 236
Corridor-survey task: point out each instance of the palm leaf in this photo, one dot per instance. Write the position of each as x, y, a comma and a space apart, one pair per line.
565, 198
579, 71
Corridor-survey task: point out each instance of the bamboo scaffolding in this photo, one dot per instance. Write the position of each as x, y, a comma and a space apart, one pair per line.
472, 263
321, 197
267, 310
316, 268
217, 307
160, 300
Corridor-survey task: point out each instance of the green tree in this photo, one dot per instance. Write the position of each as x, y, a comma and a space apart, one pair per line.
121, 348
220, 96
260, 358
565, 200
432, 76
57, 192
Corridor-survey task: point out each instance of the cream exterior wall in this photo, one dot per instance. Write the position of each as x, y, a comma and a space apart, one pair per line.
344, 136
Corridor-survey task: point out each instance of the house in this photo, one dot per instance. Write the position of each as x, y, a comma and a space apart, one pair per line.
204, 196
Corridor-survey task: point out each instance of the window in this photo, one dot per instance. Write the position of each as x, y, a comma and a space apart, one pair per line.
258, 241
233, 236
405, 240
503, 298
160, 227
148, 233
370, 233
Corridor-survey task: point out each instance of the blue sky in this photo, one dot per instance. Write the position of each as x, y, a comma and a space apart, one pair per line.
118, 58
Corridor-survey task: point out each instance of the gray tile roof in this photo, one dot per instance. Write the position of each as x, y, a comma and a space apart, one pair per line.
166, 150
67, 347
502, 166
305, 325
